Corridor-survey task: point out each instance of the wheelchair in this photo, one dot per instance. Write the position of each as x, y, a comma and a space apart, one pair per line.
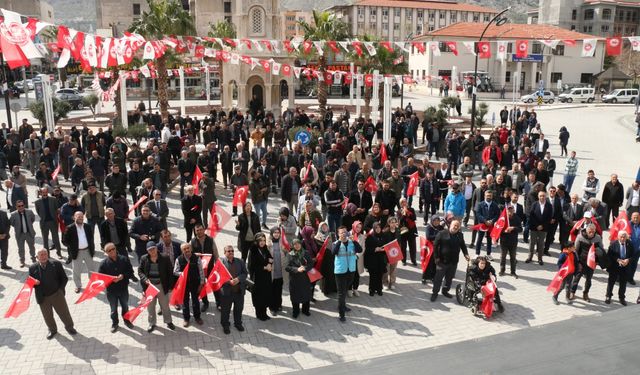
469, 294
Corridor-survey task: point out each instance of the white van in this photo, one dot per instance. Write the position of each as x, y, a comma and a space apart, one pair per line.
621, 96
578, 94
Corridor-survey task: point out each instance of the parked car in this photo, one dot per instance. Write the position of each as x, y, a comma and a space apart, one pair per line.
20, 85
621, 96
578, 94
72, 96
548, 97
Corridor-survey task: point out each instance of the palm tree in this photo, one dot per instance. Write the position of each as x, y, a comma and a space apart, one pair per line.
222, 29
385, 62
165, 17
325, 26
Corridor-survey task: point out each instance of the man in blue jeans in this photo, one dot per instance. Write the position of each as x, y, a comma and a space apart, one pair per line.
344, 251
334, 199
118, 291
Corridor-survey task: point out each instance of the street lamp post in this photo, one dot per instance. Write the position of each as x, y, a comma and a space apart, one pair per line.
499, 21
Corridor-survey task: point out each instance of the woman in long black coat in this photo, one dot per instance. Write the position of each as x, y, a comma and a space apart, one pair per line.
247, 225
260, 267
433, 228
299, 262
328, 282
375, 258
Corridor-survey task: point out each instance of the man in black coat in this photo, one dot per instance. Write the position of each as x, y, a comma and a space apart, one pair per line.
446, 250
191, 211
232, 292
612, 195
362, 199
509, 241
540, 215
15, 193
114, 229
429, 195
78, 238
486, 212
186, 167
226, 164
556, 218
49, 290
118, 291
5, 226
163, 282
387, 199
620, 254
144, 228
291, 185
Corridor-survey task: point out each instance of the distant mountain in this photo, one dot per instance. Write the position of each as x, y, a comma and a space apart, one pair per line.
79, 14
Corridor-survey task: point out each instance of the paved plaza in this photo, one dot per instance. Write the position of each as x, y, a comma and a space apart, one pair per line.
402, 320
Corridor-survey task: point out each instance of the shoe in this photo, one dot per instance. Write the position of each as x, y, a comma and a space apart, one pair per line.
185, 324
607, 300
306, 313
178, 307
404, 263
160, 312
447, 294
5, 267
424, 281
501, 273
546, 252
392, 287
295, 314
199, 321
414, 263
343, 319
226, 330
501, 307
433, 297
151, 328
22, 265
372, 293
72, 331
555, 300
585, 296
77, 290
514, 275
489, 258
68, 261
541, 263
379, 292
205, 307
528, 260
171, 326
471, 246
128, 324
572, 296
313, 300
356, 294
347, 309
51, 334
134, 279
632, 282
525, 241
239, 327
114, 328
273, 312
623, 302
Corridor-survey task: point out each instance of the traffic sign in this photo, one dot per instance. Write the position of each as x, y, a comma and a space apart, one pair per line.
539, 100
303, 136
15, 107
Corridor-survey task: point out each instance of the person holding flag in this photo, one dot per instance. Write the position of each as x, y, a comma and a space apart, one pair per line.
486, 212
117, 292
620, 254
408, 231
299, 262
51, 280
194, 282
434, 227
232, 291
584, 241
481, 272
509, 240
156, 269
569, 259
202, 244
191, 210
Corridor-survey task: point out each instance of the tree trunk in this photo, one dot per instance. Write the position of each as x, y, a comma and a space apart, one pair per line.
116, 93
162, 80
322, 87
380, 100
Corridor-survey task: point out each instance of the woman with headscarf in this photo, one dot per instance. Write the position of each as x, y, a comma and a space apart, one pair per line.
392, 232
358, 236
299, 262
260, 267
375, 215
408, 231
328, 284
433, 228
278, 275
288, 223
309, 243
349, 215
375, 258
247, 225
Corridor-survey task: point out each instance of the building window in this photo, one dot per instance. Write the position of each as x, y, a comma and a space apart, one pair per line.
373, 12
509, 47
476, 18
604, 28
360, 11
136, 9
536, 48
574, 14
420, 14
396, 26
419, 30
385, 12
431, 28
396, 12
606, 14
586, 78
555, 77
486, 18
408, 14
444, 73
558, 51
442, 14
507, 77
454, 17
432, 15
588, 14
291, 18
227, 6
619, 15
634, 17
257, 21
372, 26
573, 27
629, 16
385, 26
360, 25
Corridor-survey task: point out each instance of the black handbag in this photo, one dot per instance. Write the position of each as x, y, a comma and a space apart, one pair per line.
249, 285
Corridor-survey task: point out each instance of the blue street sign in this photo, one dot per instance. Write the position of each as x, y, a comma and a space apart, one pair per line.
303, 136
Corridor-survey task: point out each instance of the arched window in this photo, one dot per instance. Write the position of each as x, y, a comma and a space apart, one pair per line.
256, 21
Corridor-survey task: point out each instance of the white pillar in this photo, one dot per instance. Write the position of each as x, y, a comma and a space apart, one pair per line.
358, 85
386, 119
534, 82
182, 103
351, 84
375, 95
291, 91
268, 97
207, 76
123, 99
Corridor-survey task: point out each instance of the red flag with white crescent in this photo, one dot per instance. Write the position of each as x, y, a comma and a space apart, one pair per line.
453, 47
321, 253
414, 180
521, 48
195, 181
591, 257
383, 153
204, 260
394, 254
426, 251
489, 291
22, 301
137, 204
149, 295
56, 172
283, 240
484, 50
218, 276
177, 296
97, 283
621, 224
370, 185
240, 196
219, 218
566, 269
357, 46
481, 227
500, 225
314, 275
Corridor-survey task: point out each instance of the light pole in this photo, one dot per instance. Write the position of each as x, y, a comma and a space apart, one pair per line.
499, 20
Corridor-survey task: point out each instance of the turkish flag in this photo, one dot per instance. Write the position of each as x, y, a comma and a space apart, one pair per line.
489, 291
61, 225
97, 283
204, 260
419, 46
368, 80
286, 70
621, 224
334, 47
11, 51
240, 196
500, 225
484, 50
265, 65
55, 173
314, 275
306, 172
394, 254
328, 78
321, 253
370, 185
149, 295
591, 257
357, 46
567, 269
22, 301
177, 297
569, 42
383, 154
453, 47
195, 181
414, 180
306, 46
283, 240
576, 228
426, 251
521, 48
219, 218
218, 276
137, 204
345, 203
348, 77
387, 45
481, 227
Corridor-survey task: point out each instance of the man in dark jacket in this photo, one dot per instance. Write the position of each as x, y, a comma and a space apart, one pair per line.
116, 181
47, 210
161, 278
191, 210
202, 244
587, 238
556, 217
144, 228
509, 241
486, 212
446, 250
362, 199
195, 282
291, 185
621, 253
232, 292
540, 214
117, 292
186, 167
114, 229
49, 289
612, 195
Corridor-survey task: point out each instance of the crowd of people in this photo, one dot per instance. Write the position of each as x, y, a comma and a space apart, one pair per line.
340, 200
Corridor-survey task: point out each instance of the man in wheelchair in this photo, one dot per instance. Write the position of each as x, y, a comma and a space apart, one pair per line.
480, 272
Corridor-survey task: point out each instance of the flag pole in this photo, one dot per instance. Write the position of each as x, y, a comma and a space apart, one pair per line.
5, 90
